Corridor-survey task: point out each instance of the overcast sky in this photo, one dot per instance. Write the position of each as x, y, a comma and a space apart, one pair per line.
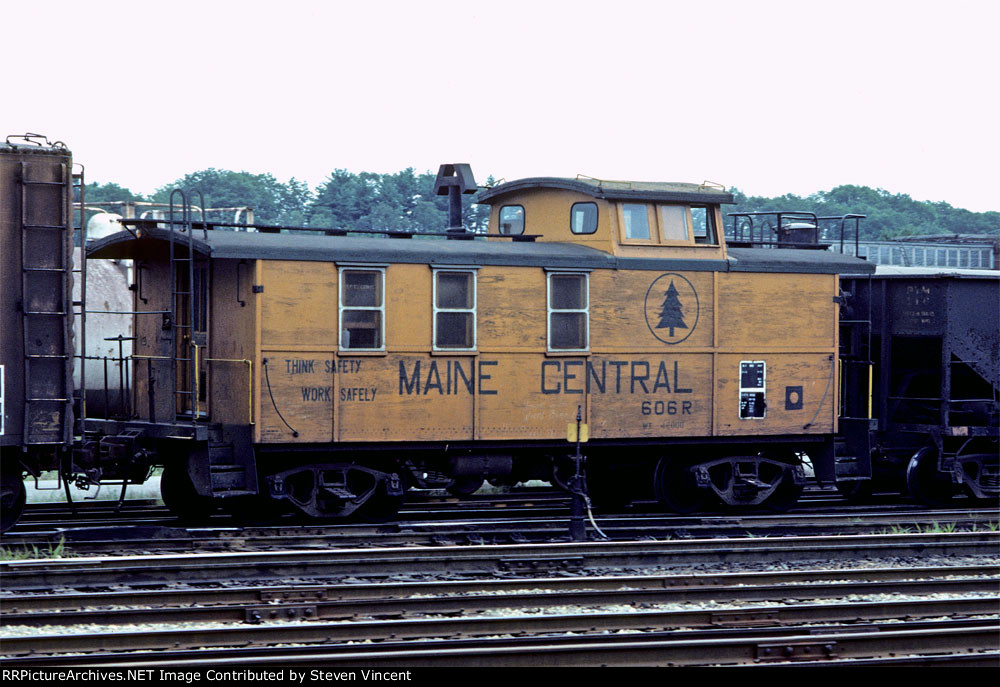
769, 97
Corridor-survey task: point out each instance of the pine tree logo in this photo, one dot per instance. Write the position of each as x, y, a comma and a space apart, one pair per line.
671, 308
671, 314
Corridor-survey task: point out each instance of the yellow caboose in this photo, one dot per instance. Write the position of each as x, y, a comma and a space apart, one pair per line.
328, 373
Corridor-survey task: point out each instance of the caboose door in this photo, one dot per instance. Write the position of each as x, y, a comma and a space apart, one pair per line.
191, 303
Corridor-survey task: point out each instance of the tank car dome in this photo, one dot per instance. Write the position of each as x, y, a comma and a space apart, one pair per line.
104, 224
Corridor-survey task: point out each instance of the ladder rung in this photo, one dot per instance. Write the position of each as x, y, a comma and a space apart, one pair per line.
44, 312
28, 182
47, 400
42, 355
43, 226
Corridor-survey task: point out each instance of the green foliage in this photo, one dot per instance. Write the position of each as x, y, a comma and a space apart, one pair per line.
110, 193
405, 201
272, 201
886, 215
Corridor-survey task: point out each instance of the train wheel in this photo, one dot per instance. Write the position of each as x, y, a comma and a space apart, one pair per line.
980, 468
464, 486
924, 482
675, 486
12, 499
180, 497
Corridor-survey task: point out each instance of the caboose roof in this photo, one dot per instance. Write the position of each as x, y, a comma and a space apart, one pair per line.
613, 190
150, 245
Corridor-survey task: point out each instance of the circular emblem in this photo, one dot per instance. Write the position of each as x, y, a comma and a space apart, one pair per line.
671, 308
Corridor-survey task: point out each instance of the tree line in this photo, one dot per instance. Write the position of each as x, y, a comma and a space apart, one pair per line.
405, 201
887, 215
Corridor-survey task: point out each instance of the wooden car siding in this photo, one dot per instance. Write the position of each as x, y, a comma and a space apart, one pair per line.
232, 341
512, 388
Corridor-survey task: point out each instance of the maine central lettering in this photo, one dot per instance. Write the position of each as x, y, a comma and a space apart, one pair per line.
610, 376
455, 377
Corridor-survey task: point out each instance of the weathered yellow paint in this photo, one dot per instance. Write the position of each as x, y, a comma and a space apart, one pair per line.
547, 215
512, 297
636, 380
625, 307
299, 387
300, 303
377, 401
232, 339
814, 372
776, 311
408, 307
650, 395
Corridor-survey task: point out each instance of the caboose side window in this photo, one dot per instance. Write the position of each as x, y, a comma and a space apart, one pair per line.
703, 223
583, 218
674, 220
454, 310
569, 316
362, 309
512, 219
636, 220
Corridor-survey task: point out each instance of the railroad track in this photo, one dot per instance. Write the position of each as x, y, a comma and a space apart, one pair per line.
482, 559
426, 506
501, 526
596, 603
388, 600
634, 620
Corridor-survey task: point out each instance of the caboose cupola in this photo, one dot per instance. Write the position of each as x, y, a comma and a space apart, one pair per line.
626, 218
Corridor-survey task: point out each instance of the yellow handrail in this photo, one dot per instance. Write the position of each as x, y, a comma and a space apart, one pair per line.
249, 364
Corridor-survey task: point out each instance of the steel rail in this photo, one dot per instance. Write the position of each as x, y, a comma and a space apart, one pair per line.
39, 515
803, 649
395, 607
94, 540
49, 526
726, 642
152, 537
517, 558
365, 592
313, 632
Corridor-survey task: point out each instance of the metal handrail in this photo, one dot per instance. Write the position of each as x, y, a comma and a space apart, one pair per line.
746, 230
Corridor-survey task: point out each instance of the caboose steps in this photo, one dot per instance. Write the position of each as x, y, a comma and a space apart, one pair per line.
232, 465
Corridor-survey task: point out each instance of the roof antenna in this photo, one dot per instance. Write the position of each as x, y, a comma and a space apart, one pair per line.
453, 180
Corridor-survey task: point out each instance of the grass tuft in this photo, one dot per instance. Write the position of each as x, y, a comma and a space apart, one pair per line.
34, 553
